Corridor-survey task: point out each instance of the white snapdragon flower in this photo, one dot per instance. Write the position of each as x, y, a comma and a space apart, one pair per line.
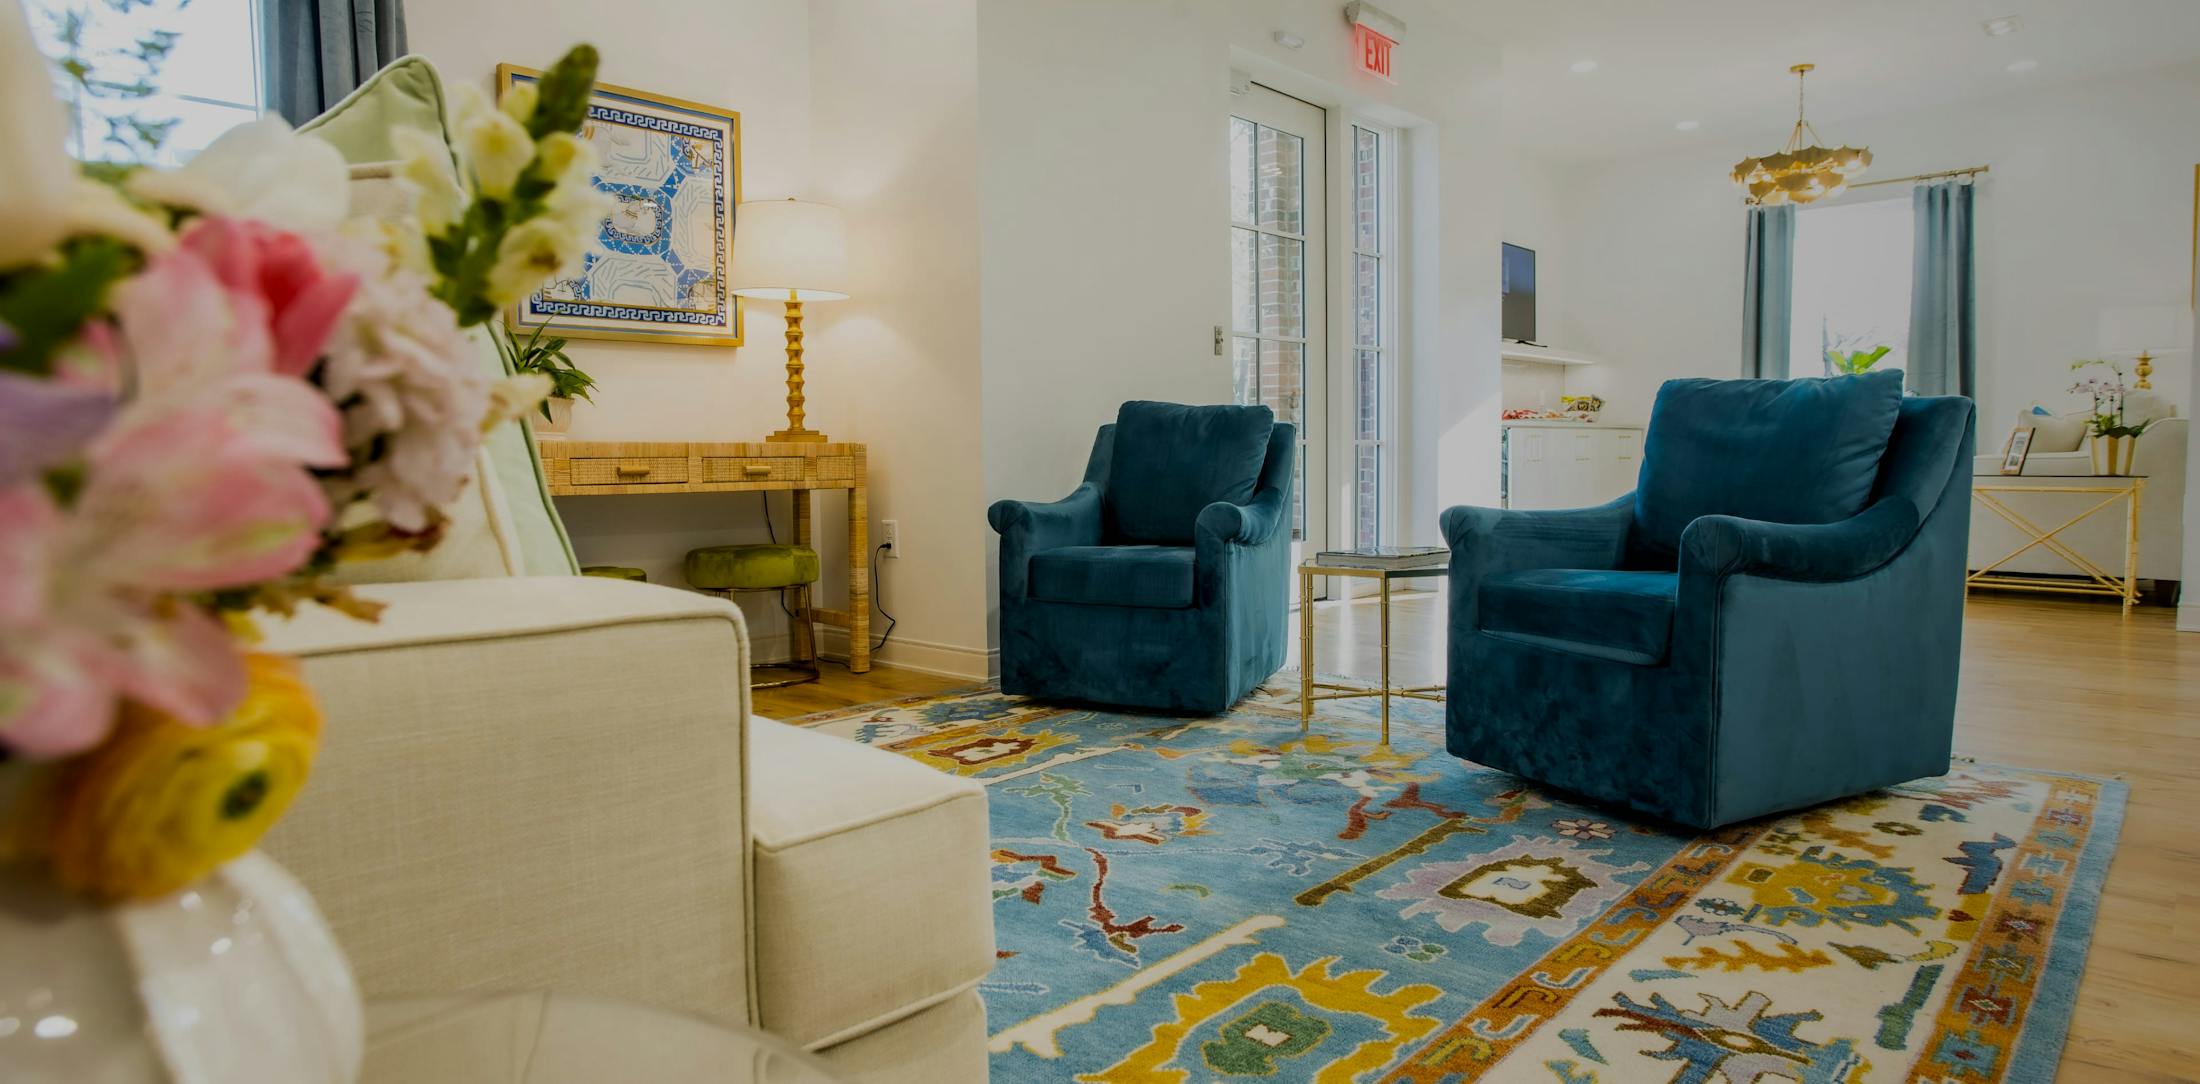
497, 147
425, 167
576, 201
519, 101
532, 251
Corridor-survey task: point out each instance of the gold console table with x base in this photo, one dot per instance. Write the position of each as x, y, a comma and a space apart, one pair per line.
2098, 580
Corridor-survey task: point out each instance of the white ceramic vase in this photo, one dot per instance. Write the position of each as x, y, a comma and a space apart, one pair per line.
560, 419
234, 981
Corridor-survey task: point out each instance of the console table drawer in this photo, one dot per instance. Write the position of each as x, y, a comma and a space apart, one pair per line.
753, 468
659, 470
834, 468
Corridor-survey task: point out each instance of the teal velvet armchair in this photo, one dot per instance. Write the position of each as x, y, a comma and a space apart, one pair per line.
1773, 618
1162, 582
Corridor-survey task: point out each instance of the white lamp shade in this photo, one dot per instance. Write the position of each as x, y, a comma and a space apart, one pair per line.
789, 250
2153, 329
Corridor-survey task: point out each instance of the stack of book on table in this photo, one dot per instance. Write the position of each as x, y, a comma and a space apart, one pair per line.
1385, 558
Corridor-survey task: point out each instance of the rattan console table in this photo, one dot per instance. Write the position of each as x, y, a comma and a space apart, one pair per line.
587, 468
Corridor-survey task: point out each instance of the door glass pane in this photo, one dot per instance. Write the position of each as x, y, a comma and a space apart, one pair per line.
1244, 287
1367, 302
1282, 389
1282, 286
1367, 515
1241, 170
1282, 379
1245, 371
1282, 181
1367, 421
1366, 162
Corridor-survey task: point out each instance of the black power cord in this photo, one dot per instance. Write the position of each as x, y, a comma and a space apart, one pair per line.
773, 534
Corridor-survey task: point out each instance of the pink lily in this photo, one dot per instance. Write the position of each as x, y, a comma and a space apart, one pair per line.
281, 270
192, 343
173, 502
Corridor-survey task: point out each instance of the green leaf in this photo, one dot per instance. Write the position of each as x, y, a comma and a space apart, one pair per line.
48, 306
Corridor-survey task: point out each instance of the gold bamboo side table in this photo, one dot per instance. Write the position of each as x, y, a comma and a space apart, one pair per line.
1311, 690
2098, 580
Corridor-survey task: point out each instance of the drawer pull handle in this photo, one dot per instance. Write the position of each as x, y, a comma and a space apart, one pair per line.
757, 470
631, 470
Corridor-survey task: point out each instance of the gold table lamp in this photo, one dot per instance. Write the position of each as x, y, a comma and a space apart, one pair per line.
2145, 331
790, 251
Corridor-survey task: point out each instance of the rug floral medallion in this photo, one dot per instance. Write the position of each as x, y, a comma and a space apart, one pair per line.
1222, 899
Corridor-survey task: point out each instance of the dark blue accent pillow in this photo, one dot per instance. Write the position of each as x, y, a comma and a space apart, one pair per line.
1172, 460
1782, 451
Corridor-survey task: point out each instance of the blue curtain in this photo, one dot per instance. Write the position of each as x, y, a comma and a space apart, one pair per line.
1768, 292
1943, 292
313, 52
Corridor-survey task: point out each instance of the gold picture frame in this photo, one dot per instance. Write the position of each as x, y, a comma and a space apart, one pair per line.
657, 146
2016, 450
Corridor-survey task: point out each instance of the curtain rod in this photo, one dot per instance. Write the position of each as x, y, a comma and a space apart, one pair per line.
1967, 171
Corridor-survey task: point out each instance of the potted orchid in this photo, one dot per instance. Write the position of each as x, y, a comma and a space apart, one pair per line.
2115, 437
216, 386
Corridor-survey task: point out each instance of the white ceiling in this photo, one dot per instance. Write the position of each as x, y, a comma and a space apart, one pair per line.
1724, 63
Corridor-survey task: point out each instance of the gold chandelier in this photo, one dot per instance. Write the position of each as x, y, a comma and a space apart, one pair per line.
1800, 172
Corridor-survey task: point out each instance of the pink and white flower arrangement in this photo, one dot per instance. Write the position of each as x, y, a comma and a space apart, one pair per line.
213, 389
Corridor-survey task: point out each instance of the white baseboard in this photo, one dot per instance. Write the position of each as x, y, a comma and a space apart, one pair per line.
2188, 614
923, 656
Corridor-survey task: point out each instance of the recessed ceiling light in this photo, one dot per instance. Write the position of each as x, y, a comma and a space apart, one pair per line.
1288, 39
1583, 67
1996, 27
2024, 65
1689, 125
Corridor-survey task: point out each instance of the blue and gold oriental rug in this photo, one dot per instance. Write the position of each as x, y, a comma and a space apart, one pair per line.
1228, 899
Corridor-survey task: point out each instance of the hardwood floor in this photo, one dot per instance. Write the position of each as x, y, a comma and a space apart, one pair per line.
2048, 683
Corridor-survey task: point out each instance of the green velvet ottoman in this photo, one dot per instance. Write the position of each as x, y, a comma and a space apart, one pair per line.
727, 570
616, 572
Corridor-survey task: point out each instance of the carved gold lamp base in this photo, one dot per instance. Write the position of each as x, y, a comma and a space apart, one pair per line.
795, 432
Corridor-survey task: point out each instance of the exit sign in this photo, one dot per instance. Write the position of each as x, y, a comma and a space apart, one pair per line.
1374, 50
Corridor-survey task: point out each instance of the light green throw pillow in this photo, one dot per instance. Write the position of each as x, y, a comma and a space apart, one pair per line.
409, 94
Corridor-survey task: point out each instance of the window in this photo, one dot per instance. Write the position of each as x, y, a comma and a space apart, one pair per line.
187, 69
1269, 280
1371, 330
1852, 283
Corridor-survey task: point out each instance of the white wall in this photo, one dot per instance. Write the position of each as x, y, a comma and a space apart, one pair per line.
894, 102
1535, 218
751, 56
2088, 205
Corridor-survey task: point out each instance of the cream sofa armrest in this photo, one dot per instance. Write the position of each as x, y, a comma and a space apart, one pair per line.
531, 784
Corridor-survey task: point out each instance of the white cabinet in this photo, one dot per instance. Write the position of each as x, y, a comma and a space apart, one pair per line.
1568, 464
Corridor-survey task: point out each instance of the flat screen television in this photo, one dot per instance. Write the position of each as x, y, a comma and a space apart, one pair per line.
1517, 282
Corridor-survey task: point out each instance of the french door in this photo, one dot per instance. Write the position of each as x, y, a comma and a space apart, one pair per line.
1279, 287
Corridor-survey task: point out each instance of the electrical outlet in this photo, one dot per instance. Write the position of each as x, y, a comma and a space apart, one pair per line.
889, 536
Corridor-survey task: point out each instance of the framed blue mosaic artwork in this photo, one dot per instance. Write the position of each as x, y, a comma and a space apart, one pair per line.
656, 269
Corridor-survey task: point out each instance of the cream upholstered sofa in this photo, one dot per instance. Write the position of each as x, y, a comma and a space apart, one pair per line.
532, 779
2060, 451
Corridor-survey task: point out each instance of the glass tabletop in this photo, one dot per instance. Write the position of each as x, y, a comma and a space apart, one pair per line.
550, 1038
